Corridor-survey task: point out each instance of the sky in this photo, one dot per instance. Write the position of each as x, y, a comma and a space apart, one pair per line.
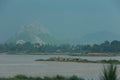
66, 19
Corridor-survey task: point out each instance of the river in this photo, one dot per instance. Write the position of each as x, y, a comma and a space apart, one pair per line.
11, 65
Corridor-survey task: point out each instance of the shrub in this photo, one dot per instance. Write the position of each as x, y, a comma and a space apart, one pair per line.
75, 78
20, 76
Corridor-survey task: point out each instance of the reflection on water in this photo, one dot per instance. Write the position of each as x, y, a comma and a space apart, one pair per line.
25, 64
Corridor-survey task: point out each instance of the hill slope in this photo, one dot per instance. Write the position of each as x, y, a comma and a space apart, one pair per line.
33, 33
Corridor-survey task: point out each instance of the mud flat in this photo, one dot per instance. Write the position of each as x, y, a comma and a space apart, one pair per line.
61, 59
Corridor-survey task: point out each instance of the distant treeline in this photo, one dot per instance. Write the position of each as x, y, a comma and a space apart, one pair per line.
105, 47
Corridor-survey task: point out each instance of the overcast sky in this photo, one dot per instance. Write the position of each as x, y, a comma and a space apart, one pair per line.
67, 19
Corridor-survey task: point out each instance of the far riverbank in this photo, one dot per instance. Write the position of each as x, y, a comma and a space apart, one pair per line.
62, 53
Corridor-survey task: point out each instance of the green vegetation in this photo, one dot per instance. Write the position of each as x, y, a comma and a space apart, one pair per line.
106, 47
110, 61
58, 77
109, 73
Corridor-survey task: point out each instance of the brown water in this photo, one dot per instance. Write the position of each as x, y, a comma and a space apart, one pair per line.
11, 65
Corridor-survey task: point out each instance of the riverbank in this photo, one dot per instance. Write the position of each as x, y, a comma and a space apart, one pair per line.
62, 53
57, 77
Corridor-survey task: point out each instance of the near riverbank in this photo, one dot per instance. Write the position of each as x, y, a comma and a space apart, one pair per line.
58, 77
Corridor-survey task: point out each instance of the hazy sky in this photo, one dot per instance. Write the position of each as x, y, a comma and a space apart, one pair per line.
67, 19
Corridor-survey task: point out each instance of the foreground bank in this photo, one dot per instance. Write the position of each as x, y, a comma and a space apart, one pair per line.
58, 77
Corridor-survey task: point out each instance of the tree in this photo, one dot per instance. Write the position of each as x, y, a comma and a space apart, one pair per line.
105, 47
115, 46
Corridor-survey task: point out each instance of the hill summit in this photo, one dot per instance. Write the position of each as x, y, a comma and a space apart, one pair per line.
33, 33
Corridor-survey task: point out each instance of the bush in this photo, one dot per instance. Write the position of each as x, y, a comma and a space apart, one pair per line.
20, 76
58, 77
75, 78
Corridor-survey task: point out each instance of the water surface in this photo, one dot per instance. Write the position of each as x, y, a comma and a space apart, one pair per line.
11, 65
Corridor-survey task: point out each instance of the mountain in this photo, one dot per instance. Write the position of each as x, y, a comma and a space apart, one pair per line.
33, 33
99, 37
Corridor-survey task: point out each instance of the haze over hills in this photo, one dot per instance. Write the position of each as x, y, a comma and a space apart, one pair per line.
36, 33
33, 33
99, 37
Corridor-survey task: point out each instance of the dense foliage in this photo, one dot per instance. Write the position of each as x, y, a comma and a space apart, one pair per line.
105, 47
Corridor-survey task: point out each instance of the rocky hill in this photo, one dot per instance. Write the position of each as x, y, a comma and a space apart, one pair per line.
33, 33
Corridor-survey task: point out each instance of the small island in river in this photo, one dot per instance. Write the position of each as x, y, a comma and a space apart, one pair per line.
61, 59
